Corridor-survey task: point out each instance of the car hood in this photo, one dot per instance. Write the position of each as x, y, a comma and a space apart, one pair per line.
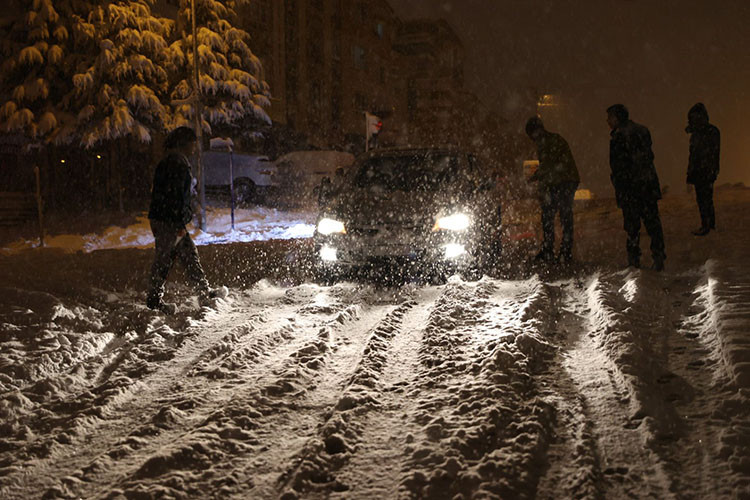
367, 207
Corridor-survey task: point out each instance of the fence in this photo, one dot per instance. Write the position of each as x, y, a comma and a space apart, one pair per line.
17, 208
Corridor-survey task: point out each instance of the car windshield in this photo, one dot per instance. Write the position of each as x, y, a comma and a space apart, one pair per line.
415, 172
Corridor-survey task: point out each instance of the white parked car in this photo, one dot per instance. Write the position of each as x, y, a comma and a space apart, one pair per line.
299, 173
253, 174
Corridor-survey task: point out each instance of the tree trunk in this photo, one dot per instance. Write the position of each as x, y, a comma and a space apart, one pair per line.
118, 173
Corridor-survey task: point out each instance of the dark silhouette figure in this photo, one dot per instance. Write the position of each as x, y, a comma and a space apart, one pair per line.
557, 179
703, 166
169, 213
636, 184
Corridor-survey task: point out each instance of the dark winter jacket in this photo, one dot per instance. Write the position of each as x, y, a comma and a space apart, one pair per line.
632, 162
705, 145
170, 194
556, 163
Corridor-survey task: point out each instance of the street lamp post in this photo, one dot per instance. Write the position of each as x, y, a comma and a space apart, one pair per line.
198, 122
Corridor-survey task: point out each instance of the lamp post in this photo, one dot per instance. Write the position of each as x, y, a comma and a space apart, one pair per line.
198, 123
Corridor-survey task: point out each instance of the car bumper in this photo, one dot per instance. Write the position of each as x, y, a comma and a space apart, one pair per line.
346, 251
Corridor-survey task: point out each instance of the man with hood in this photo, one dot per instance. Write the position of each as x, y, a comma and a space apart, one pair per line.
703, 165
636, 184
169, 213
557, 178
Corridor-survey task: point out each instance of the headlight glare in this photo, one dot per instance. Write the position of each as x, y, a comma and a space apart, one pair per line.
455, 222
328, 254
330, 226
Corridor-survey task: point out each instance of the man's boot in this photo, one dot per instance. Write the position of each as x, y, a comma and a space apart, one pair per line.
156, 304
634, 261
207, 296
658, 264
544, 256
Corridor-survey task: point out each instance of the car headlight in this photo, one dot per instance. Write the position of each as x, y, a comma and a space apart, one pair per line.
455, 222
331, 226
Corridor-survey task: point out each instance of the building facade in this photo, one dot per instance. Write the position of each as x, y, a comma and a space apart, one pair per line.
328, 62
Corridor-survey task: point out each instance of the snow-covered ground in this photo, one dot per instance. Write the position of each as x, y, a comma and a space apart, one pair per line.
255, 224
596, 382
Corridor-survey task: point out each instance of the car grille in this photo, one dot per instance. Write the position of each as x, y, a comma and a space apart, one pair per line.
362, 231
385, 229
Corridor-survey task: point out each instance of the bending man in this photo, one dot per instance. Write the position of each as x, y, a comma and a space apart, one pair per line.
557, 179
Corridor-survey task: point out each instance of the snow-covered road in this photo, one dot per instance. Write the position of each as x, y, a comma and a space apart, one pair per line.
613, 385
599, 383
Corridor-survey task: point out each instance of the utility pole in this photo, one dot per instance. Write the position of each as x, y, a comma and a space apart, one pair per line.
198, 111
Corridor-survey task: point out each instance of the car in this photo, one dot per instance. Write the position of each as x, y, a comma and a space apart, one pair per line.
299, 173
429, 209
253, 175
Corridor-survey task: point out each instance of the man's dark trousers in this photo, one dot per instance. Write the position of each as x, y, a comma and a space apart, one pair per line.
704, 194
555, 199
633, 211
168, 249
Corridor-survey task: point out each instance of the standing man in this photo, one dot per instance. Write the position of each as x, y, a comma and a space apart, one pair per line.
703, 166
636, 184
169, 213
557, 178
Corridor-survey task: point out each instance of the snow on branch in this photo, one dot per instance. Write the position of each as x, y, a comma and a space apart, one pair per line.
7, 110
211, 39
84, 81
47, 123
30, 56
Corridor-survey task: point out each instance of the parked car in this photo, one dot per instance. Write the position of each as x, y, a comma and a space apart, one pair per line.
430, 209
299, 174
253, 175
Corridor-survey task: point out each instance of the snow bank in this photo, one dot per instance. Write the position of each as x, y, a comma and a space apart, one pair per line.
256, 224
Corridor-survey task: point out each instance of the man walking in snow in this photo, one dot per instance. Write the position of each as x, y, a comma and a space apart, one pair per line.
636, 184
703, 165
557, 178
169, 213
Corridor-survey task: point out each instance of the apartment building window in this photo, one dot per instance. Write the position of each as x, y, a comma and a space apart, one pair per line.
359, 57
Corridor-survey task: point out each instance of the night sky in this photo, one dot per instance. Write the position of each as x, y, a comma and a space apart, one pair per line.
657, 57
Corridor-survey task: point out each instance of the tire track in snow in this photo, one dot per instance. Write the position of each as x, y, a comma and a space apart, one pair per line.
373, 468
709, 386
483, 428
316, 466
573, 463
53, 412
245, 442
163, 400
615, 366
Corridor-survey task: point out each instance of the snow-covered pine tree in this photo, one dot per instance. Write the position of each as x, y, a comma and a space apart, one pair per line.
40, 49
232, 92
121, 93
